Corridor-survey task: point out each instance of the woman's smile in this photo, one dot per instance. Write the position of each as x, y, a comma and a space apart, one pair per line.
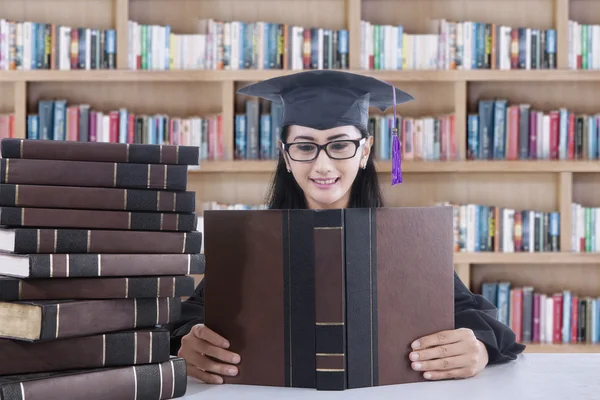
324, 183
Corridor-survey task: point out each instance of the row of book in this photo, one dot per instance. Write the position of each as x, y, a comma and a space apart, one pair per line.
30, 45
104, 244
584, 46
235, 45
457, 45
486, 228
503, 131
549, 318
498, 131
258, 128
585, 225
59, 120
425, 138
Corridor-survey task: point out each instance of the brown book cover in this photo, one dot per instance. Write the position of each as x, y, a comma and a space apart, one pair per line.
67, 240
58, 319
328, 299
97, 198
93, 174
75, 265
14, 289
97, 219
112, 349
160, 381
100, 151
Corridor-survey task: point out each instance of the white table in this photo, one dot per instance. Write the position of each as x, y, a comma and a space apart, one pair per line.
532, 376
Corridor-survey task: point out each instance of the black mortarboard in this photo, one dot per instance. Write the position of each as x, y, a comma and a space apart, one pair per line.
324, 99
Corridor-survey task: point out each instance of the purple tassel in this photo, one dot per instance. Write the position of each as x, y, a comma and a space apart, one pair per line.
396, 157
396, 162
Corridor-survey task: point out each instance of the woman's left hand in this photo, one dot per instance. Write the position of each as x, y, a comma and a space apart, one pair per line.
449, 354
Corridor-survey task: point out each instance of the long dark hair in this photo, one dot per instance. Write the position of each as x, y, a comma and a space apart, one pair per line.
285, 193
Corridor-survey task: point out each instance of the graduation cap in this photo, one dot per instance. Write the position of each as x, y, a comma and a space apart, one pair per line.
324, 99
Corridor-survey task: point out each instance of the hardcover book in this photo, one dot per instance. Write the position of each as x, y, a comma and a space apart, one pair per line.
159, 380
328, 299
40, 320
134, 287
112, 349
97, 219
69, 240
134, 153
85, 265
97, 198
26, 171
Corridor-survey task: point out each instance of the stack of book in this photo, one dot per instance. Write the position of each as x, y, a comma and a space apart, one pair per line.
97, 245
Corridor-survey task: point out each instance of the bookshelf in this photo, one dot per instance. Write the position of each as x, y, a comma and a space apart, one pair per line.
543, 185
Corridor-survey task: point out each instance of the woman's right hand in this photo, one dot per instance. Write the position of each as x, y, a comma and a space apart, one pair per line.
200, 348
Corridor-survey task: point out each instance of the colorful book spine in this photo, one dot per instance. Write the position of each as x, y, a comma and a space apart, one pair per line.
237, 45
584, 46
457, 45
503, 131
60, 120
562, 317
30, 45
485, 228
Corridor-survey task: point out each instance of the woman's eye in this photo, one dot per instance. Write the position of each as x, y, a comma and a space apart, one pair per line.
339, 146
306, 148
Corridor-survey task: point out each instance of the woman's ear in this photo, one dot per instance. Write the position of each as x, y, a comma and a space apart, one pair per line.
366, 151
285, 155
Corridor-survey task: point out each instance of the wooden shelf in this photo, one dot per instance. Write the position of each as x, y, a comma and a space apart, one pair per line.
562, 348
560, 258
124, 75
542, 166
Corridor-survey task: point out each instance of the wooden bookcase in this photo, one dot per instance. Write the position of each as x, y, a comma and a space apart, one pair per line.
540, 185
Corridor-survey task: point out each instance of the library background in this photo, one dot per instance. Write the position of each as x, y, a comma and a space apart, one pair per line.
505, 125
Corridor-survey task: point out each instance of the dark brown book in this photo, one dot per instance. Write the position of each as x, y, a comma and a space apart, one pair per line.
112, 349
58, 319
76, 265
65, 240
100, 151
97, 219
15, 289
95, 198
328, 299
93, 174
159, 381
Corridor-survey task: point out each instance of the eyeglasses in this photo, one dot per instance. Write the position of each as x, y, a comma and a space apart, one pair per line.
309, 151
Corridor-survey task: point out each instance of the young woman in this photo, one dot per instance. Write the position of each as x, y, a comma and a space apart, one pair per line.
326, 162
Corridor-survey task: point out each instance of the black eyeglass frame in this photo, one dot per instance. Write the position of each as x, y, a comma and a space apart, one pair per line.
357, 143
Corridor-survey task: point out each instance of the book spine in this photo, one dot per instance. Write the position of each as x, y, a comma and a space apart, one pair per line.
100, 152
12, 289
98, 265
330, 307
97, 219
93, 174
37, 241
107, 350
160, 381
74, 197
71, 319
362, 358
299, 298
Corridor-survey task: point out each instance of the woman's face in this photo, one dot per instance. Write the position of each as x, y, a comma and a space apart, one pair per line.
326, 182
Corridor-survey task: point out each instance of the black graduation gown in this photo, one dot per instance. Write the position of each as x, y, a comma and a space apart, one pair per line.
470, 311
192, 313
475, 312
